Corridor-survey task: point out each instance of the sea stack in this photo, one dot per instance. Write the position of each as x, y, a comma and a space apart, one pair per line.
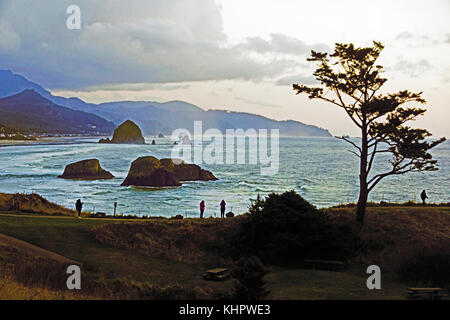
151, 172
187, 172
148, 172
127, 133
86, 170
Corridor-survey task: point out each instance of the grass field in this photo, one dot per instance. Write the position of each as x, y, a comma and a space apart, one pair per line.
73, 238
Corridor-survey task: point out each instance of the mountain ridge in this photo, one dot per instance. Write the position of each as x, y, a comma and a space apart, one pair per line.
28, 111
164, 117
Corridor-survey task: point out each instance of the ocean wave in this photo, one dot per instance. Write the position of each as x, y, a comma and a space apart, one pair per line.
247, 184
138, 188
102, 193
17, 175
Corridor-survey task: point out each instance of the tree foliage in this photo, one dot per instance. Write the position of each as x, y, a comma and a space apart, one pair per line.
351, 79
249, 273
284, 229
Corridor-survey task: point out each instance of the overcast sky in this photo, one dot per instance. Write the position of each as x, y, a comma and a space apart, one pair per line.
240, 55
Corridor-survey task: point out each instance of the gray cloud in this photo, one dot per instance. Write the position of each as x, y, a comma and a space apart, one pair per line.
404, 35
413, 69
299, 78
258, 103
137, 41
416, 40
141, 87
280, 43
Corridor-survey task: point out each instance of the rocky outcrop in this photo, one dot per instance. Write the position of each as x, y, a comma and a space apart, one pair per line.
187, 172
86, 170
151, 172
148, 172
127, 133
105, 140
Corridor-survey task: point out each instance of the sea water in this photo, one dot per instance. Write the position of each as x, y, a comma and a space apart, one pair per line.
322, 170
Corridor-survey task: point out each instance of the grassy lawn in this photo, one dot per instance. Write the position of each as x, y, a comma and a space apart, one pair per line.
72, 238
302, 284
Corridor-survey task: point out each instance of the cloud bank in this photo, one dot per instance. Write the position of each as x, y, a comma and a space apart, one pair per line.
135, 41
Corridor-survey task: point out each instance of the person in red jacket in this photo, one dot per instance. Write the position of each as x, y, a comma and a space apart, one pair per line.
202, 209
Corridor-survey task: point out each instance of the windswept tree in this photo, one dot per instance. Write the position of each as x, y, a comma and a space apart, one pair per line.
351, 79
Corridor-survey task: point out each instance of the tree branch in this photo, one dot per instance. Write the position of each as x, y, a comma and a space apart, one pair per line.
372, 158
351, 142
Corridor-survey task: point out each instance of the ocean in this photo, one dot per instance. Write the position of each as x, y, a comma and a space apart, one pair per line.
320, 169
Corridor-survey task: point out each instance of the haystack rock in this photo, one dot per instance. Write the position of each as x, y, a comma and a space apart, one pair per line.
127, 133
86, 170
148, 172
187, 172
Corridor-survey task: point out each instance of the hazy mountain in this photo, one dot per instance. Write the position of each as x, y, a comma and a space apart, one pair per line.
28, 111
11, 84
156, 117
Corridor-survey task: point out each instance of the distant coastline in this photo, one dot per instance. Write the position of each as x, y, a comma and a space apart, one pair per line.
62, 140
75, 139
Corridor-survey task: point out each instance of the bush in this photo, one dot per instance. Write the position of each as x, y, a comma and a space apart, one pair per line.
249, 273
427, 266
284, 229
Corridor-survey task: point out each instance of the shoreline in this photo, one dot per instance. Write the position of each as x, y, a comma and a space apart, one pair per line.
37, 204
44, 141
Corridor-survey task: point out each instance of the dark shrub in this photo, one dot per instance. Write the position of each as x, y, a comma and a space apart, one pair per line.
427, 266
249, 273
284, 229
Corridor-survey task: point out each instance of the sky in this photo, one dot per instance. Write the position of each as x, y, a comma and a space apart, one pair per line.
239, 55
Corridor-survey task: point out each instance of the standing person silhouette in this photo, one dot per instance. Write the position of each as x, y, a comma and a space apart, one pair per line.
423, 196
202, 209
79, 206
222, 208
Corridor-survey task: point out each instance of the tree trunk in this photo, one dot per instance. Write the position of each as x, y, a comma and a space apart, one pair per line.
363, 187
362, 204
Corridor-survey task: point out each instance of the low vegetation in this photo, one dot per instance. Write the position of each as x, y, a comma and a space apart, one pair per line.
250, 285
158, 258
191, 241
284, 229
31, 203
389, 232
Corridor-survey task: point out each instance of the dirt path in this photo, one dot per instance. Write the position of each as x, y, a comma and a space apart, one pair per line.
33, 250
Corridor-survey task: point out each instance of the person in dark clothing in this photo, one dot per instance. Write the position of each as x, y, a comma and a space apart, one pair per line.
79, 206
423, 196
202, 209
222, 208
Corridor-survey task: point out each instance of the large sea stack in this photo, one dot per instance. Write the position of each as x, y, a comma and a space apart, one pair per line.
187, 172
148, 172
86, 170
151, 172
127, 133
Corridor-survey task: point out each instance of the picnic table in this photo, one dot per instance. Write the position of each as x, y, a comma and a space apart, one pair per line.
425, 293
216, 274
